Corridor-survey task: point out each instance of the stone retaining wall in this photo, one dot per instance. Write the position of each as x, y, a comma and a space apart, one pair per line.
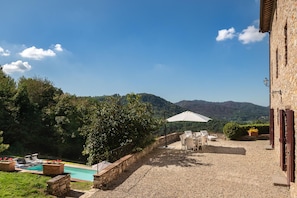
59, 185
104, 177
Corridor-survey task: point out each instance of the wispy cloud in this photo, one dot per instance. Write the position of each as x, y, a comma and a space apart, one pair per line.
225, 34
37, 53
18, 66
250, 35
58, 47
4, 52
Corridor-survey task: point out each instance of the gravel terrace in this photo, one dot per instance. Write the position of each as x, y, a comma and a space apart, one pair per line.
222, 169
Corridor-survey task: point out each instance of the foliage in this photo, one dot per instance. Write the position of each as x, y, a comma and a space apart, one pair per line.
38, 117
235, 131
231, 130
16, 184
262, 128
241, 112
116, 124
3, 147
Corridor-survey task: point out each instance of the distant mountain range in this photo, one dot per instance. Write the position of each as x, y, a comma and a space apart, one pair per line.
229, 111
223, 111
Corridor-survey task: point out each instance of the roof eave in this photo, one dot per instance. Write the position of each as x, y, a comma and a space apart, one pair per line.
266, 15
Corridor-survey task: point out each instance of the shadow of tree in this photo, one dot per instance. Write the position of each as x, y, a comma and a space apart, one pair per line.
167, 157
161, 158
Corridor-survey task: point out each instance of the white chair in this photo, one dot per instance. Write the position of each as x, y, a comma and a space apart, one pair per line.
212, 137
28, 160
35, 159
190, 143
204, 140
204, 133
198, 142
197, 134
188, 133
182, 140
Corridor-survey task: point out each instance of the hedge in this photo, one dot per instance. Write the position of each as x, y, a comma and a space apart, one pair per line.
234, 131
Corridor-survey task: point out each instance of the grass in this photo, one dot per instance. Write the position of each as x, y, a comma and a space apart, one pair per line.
81, 185
14, 184
17, 184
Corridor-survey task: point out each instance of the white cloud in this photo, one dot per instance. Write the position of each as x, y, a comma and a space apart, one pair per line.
225, 34
58, 47
250, 35
37, 54
4, 52
18, 66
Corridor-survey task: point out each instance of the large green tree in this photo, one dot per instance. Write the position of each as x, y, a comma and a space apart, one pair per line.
7, 108
117, 123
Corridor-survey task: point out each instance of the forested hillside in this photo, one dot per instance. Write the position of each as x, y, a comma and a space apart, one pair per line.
231, 111
227, 111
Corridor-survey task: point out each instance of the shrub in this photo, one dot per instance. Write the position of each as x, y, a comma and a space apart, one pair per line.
262, 128
231, 131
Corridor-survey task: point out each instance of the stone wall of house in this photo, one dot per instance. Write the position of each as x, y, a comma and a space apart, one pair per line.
113, 171
283, 67
59, 185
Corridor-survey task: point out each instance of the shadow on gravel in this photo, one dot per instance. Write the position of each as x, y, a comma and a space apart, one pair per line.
161, 158
167, 157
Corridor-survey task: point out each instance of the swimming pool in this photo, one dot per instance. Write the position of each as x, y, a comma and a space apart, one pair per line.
77, 173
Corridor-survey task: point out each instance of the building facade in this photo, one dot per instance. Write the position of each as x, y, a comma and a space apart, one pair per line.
279, 19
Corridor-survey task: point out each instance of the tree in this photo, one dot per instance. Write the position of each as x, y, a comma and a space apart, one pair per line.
117, 123
3, 147
67, 122
7, 110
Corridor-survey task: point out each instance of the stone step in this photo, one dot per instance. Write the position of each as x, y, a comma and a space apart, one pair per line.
279, 180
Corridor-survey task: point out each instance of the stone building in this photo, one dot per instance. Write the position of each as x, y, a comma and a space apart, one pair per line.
279, 19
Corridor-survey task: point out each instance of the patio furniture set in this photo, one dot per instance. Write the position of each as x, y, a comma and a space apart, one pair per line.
196, 140
28, 160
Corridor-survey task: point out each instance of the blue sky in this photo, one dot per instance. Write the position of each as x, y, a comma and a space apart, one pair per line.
176, 49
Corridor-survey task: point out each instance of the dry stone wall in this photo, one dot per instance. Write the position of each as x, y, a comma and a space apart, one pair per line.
113, 171
283, 67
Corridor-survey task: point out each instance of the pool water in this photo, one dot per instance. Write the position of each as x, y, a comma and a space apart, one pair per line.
77, 173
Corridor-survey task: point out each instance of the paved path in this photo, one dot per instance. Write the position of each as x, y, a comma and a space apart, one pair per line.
223, 169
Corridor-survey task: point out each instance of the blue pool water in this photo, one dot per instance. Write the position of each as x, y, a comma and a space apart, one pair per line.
77, 173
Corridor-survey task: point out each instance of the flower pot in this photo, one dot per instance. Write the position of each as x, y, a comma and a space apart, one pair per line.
253, 134
8, 166
53, 169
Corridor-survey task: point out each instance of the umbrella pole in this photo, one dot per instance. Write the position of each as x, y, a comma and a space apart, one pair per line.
165, 136
165, 132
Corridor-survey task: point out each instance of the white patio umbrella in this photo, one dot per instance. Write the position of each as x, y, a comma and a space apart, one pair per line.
188, 116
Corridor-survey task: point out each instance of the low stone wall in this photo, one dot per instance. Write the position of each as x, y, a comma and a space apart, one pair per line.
59, 185
104, 177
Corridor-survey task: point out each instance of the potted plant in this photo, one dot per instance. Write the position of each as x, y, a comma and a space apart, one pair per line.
253, 132
7, 164
53, 167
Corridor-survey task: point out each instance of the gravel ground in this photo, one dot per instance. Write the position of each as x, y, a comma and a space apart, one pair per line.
222, 169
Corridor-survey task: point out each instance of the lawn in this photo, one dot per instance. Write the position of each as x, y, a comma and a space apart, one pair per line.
14, 184
17, 184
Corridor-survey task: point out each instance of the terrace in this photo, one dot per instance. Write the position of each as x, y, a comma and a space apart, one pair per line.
225, 168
